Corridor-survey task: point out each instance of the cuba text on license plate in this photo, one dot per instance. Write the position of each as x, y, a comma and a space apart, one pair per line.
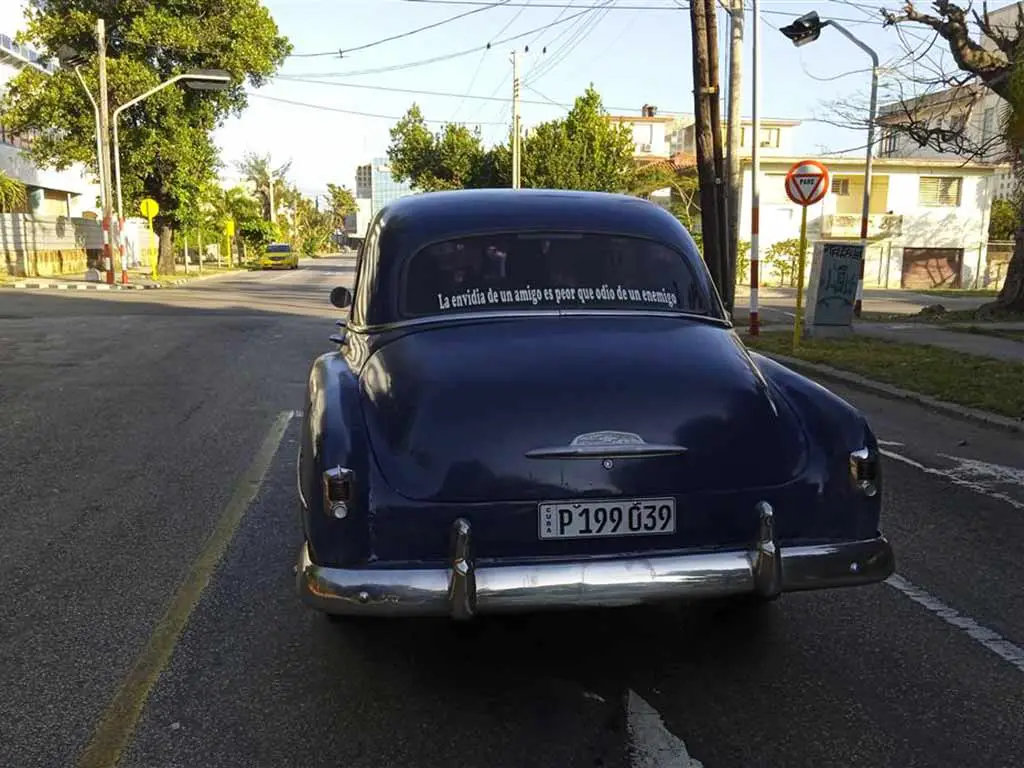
606, 517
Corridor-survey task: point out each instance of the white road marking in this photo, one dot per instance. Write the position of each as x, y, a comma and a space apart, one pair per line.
991, 640
952, 476
651, 745
889, 442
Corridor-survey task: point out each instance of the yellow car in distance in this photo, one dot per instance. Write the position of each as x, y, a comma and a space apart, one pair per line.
279, 256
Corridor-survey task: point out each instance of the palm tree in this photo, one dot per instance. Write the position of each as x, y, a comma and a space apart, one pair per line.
268, 182
12, 194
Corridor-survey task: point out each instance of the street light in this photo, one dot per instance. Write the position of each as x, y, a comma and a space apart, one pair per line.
807, 29
69, 57
200, 80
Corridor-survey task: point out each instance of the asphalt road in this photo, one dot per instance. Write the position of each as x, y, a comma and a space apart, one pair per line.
135, 435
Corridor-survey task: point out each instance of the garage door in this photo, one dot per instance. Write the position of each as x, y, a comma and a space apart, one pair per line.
931, 267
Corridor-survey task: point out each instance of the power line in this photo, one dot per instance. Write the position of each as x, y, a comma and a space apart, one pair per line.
579, 36
452, 94
326, 108
400, 35
480, 63
447, 56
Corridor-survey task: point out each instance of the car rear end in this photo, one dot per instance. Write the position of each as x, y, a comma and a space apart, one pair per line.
522, 460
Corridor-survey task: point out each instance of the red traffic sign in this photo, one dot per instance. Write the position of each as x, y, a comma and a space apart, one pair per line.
807, 182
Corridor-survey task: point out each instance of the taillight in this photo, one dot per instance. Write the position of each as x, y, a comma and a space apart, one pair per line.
865, 471
337, 489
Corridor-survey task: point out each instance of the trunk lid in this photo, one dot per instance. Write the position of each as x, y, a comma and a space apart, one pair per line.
488, 412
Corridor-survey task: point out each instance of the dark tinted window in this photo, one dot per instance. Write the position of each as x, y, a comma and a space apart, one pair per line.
279, 248
517, 271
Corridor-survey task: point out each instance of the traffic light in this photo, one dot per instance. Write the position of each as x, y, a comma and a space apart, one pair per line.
804, 30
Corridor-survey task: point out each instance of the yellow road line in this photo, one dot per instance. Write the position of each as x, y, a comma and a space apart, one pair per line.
117, 725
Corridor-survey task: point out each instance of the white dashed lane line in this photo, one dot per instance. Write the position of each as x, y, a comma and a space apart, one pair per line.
977, 476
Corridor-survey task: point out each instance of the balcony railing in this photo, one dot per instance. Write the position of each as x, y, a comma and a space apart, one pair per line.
847, 225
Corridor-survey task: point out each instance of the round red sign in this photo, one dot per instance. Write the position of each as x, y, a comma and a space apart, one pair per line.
807, 182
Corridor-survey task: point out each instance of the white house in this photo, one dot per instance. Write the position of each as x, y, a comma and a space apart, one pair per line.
776, 137
650, 132
928, 223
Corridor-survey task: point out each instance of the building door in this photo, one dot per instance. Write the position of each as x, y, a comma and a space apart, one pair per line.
931, 268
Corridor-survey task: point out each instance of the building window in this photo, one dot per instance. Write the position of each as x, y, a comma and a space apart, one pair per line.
840, 186
939, 191
889, 139
988, 123
770, 137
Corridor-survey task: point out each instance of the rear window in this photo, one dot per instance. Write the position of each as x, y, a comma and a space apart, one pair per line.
552, 271
279, 248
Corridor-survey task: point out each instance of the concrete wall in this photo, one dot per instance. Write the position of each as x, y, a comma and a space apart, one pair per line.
43, 246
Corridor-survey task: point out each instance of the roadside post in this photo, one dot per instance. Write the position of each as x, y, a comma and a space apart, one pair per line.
149, 208
806, 184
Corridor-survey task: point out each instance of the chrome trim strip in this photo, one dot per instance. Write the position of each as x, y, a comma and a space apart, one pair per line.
606, 451
593, 582
520, 314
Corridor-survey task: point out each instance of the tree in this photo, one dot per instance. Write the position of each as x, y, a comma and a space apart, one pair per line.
250, 226
313, 228
452, 158
979, 68
782, 258
12, 194
583, 150
166, 148
341, 203
1004, 220
259, 171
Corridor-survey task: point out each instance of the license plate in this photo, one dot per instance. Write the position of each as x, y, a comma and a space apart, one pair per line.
596, 518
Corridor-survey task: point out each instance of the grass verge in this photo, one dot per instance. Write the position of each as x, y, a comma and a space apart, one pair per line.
961, 293
968, 380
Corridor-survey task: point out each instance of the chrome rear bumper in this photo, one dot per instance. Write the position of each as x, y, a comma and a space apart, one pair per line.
463, 589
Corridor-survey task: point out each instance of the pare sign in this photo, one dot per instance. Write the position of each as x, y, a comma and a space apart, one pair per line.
807, 182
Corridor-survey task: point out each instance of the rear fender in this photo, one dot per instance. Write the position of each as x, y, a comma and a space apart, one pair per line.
333, 435
834, 429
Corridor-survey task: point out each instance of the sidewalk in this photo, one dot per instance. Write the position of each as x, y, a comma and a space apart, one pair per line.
137, 281
949, 338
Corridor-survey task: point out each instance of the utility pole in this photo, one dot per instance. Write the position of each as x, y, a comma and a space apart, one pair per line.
720, 188
706, 175
734, 164
104, 109
516, 144
755, 176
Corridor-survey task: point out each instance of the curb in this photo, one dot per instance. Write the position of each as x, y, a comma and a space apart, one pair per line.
896, 393
70, 286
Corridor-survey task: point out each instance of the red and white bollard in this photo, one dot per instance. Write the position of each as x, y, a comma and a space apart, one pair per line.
108, 265
755, 226
120, 246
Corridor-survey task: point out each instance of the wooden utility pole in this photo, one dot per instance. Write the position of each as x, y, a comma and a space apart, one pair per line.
734, 163
517, 147
703, 93
722, 233
109, 246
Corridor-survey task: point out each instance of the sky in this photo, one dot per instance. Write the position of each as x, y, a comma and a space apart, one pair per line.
634, 52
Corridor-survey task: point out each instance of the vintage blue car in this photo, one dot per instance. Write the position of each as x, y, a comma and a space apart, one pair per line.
538, 401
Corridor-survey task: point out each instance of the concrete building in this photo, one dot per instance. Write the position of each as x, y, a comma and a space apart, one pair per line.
928, 223
71, 193
57, 229
375, 188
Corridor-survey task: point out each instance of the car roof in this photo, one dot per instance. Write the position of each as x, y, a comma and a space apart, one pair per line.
440, 215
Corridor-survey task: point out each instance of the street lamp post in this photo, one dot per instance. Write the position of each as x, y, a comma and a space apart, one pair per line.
206, 80
806, 30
